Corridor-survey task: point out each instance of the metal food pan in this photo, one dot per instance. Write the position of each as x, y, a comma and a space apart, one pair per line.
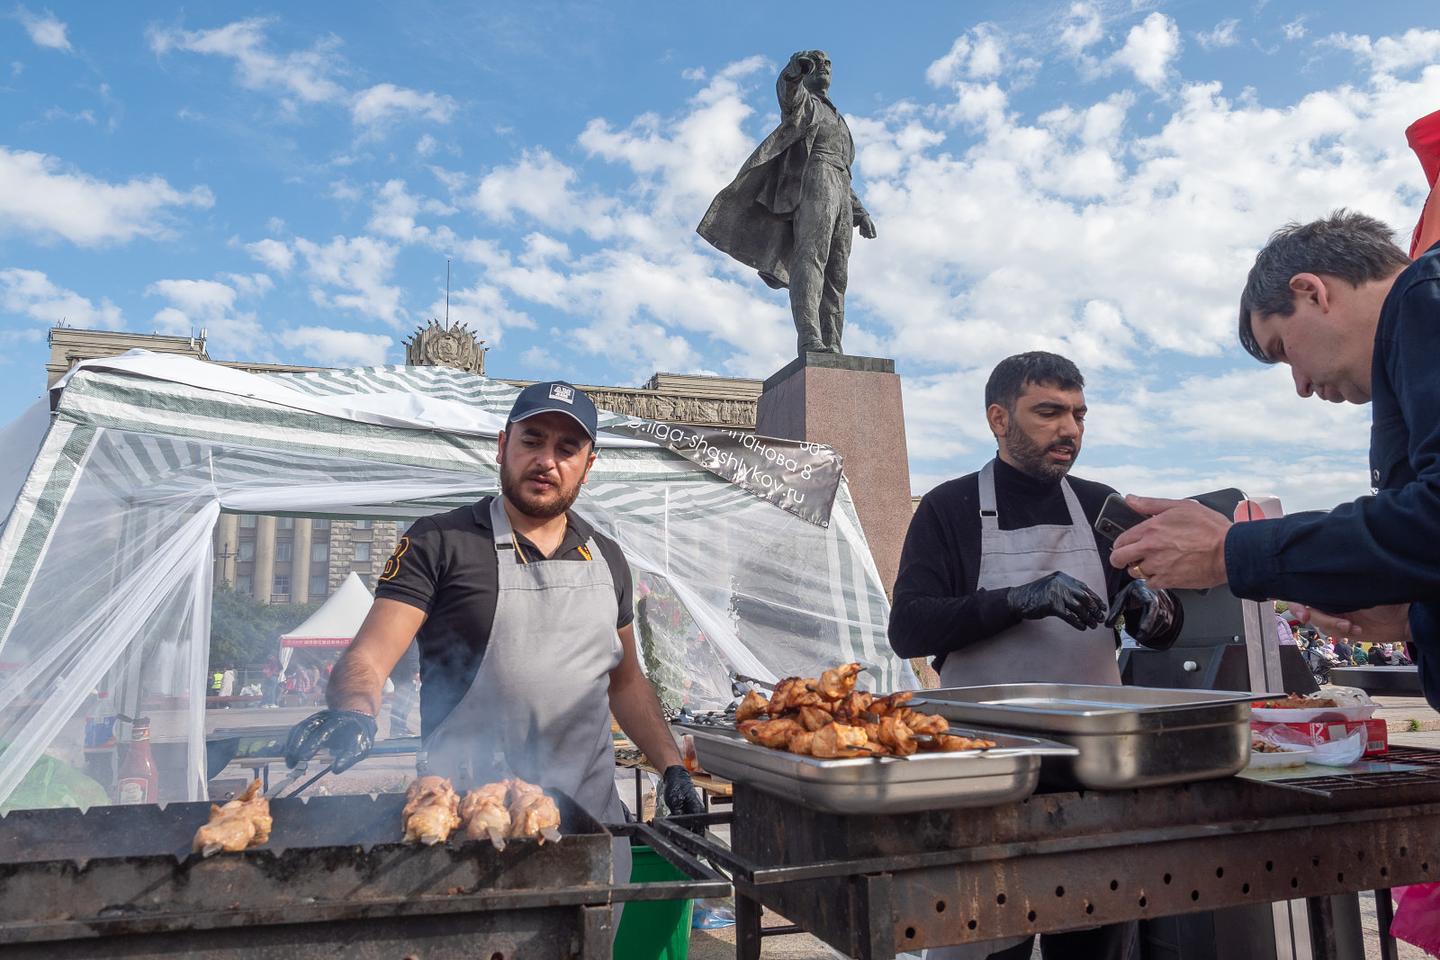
1127, 737
1007, 772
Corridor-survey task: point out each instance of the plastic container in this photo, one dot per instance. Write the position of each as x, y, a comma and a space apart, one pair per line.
654, 929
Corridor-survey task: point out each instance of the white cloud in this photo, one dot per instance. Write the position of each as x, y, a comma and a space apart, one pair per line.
32, 294
199, 299
329, 347
1295, 29
45, 30
1149, 49
385, 102
1223, 35
39, 196
359, 267
395, 211
210, 306
976, 55
305, 75
538, 187
310, 76
426, 145
1415, 48
275, 254
1083, 29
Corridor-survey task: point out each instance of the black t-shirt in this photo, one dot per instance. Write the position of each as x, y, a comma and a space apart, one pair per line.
937, 606
446, 565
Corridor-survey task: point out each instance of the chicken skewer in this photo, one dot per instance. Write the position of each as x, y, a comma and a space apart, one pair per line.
532, 812
432, 810
243, 822
486, 815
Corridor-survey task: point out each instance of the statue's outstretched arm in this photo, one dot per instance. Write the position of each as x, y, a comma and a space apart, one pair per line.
790, 88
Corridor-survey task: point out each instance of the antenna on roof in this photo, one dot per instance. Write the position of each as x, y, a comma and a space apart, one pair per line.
447, 293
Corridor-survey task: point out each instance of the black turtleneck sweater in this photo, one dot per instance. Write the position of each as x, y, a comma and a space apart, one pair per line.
937, 606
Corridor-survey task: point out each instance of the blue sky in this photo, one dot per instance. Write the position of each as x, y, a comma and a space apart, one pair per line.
1088, 177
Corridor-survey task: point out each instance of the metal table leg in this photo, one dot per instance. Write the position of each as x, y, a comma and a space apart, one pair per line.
1385, 915
747, 927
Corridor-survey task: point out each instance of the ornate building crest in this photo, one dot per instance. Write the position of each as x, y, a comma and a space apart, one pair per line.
455, 346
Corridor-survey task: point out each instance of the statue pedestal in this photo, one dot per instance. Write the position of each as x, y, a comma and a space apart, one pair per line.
853, 404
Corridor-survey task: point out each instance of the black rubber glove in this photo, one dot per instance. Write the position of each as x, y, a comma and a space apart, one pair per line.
1058, 595
347, 734
680, 793
1151, 616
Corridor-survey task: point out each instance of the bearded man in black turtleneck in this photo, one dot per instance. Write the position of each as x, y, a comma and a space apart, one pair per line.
1002, 579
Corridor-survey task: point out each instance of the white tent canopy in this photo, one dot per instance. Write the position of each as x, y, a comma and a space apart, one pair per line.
338, 619
106, 553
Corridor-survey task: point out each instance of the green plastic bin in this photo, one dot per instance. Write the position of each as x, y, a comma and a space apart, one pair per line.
654, 929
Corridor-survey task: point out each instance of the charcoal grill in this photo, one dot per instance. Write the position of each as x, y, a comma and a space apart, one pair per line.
334, 880
873, 885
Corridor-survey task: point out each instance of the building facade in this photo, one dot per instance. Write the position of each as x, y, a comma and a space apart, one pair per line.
295, 560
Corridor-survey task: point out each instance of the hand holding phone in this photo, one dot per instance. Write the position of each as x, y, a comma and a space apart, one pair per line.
1116, 516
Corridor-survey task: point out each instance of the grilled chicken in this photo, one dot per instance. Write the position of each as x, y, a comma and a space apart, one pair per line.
792, 693
241, 823
896, 737
948, 743
927, 723
535, 815
883, 705
837, 682
432, 810
856, 703
771, 733
827, 718
752, 706
837, 741
486, 815
813, 718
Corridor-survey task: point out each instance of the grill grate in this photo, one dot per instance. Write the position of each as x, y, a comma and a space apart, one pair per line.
1353, 783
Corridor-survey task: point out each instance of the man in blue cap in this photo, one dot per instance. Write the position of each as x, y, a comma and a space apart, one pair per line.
523, 616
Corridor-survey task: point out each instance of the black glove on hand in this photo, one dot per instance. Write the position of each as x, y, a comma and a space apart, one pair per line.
1058, 595
680, 793
347, 734
1149, 614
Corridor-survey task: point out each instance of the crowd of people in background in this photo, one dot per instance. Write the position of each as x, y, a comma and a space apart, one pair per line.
1322, 652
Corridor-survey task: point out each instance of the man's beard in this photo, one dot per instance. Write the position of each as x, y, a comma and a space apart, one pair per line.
1032, 458
540, 508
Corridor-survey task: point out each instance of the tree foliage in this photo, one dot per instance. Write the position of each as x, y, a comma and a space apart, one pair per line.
245, 632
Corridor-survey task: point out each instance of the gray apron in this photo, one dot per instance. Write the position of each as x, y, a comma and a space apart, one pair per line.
1032, 651
1036, 651
539, 707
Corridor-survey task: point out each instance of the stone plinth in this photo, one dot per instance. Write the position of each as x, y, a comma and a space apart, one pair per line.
854, 405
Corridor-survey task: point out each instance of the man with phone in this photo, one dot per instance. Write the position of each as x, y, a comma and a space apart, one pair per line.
1356, 321
1002, 578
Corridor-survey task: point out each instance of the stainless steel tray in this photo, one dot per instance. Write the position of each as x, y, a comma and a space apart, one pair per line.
1127, 736
1007, 772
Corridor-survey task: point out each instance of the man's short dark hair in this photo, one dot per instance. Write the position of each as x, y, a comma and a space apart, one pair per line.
1013, 374
1352, 246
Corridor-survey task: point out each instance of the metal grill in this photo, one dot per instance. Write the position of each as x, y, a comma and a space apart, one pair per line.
335, 878
1405, 781
870, 885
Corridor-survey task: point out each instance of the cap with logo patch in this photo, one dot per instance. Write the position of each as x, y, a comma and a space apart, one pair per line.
557, 396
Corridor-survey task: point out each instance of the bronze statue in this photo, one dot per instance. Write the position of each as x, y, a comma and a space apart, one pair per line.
790, 211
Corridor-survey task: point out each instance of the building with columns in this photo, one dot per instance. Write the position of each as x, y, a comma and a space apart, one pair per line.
291, 560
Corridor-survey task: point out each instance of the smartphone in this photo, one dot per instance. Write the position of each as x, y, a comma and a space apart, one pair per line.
1116, 516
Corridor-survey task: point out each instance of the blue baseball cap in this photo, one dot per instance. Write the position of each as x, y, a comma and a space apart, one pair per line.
557, 396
